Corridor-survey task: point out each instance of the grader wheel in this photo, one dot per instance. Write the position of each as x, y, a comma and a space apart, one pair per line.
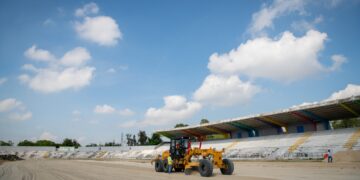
229, 167
178, 169
188, 171
165, 166
205, 168
159, 166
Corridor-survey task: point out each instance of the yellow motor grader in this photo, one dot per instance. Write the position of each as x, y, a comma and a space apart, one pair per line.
185, 159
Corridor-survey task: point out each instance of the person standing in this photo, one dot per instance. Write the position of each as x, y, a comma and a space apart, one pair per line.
330, 158
170, 162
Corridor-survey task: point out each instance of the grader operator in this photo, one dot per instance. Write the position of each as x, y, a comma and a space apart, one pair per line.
185, 159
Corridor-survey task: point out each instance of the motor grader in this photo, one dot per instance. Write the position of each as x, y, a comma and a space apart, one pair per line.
185, 159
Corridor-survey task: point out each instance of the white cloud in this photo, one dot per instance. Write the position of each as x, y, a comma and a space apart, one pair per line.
338, 60
81, 139
268, 13
303, 104
100, 29
107, 109
350, 90
9, 104
287, 58
20, 116
47, 136
333, 3
76, 57
3, 80
54, 80
24, 78
176, 108
69, 72
104, 109
76, 112
29, 67
37, 54
303, 25
225, 91
49, 22
121, 68
15, 109
126, 112
87, 9
111, 70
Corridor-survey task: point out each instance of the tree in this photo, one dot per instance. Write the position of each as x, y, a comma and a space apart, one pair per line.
134, 140
91, 145
44, 143
347, 123
112, 144
129, 140
75, 143
142, 137
26, 143
69, 142
155, 139
3, 143
181, 125
204, 121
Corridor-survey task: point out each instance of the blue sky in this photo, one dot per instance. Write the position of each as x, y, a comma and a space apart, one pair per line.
92, 70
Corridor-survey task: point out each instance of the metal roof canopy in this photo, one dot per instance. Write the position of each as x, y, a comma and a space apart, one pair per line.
316, 112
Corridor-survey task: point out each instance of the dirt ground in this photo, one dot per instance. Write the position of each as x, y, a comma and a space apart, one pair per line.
116, 169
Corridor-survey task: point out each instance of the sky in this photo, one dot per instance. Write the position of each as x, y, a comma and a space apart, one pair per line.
93, 70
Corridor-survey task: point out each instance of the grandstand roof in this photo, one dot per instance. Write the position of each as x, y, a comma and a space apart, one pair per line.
309, 113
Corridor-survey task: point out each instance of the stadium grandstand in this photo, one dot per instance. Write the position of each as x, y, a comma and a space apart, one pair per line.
301, 132
298, 119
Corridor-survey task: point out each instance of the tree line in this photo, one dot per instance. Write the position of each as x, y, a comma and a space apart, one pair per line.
142, 139
65, 142
131, 140
202, 121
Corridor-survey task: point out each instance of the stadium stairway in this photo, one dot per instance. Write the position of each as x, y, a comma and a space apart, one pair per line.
352, 141
232, 145
301, 140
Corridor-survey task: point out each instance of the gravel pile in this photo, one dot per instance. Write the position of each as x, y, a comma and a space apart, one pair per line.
9, 157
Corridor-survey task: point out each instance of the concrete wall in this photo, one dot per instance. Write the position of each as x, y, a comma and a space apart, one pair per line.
268, 131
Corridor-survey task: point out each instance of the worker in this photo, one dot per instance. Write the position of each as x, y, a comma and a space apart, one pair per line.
330, 158
177, 151
170, 162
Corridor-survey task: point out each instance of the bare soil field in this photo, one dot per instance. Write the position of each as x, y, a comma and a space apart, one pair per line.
120, 169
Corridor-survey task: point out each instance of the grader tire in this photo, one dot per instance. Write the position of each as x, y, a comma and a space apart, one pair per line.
165, 166
229, 167
205, 168
188, 171
159, 166
178, 169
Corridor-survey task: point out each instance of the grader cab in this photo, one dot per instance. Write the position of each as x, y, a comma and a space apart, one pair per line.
185, 159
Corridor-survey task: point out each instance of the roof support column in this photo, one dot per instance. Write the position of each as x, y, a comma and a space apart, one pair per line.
316, 117
277, 127
275, 122
252, 132
304, 118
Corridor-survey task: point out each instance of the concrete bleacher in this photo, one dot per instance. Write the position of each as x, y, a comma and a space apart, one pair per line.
309, 145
